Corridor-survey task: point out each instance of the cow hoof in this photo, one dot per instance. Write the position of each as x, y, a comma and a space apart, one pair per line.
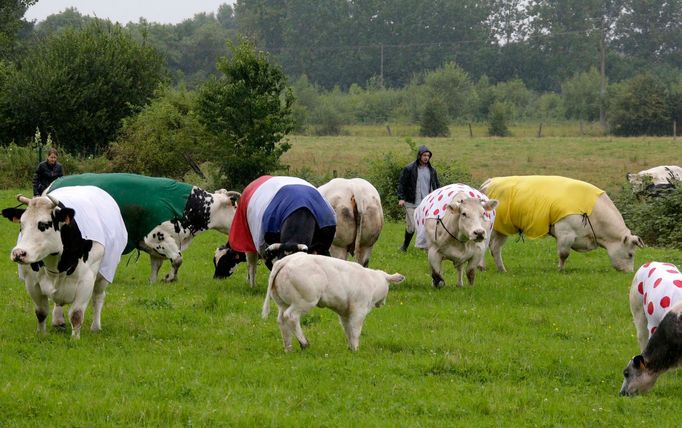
438, 284
169, 279
304, 345
61, 326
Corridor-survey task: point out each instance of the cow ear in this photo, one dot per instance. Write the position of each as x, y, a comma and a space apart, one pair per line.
64, 215
638, 362
638, 241
490, 204
13, 214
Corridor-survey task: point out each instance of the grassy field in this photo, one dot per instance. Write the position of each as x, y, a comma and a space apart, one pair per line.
532, 347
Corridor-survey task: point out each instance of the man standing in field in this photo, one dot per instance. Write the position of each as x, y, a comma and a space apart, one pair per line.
417, 180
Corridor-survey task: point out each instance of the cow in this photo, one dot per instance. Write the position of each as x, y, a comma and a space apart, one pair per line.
302, 281
579, 215
656, 178
359, 217
656, 307
454, 222
162, 215
68, 249
276, 216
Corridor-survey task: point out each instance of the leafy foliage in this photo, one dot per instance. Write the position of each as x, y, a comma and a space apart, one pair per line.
249, 110
498, 119
640, 108
78, 85
434, 121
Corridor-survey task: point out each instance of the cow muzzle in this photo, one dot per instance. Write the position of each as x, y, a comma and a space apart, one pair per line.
478, 235
18, 255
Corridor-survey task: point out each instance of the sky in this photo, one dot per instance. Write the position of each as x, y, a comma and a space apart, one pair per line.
124, 11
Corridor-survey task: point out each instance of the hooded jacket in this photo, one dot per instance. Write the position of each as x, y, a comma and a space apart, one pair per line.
45, 174
407, 183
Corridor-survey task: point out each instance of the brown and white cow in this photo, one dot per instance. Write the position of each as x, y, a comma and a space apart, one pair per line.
301, 281
454, 223
69, 246
658, 177
359, 217
579, 215
656, 307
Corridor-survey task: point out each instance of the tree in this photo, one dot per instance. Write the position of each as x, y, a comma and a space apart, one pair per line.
640, 108
78, 85
582, 95
249, 111
11, 12
434, 121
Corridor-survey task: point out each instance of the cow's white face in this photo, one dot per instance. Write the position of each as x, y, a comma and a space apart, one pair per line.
622, 252
472, 221
222, 210
40, 236
637, 378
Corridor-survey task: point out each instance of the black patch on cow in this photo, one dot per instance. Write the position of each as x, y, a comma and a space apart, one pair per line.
664, 349
35, 267
40, 315
75, 247
225, 264
45, 225
300, 227
177, 227
197, 211
13, 214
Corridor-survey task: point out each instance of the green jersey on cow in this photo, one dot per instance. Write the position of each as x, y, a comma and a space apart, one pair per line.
145, 202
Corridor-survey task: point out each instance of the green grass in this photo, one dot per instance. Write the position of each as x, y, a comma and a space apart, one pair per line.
533, 347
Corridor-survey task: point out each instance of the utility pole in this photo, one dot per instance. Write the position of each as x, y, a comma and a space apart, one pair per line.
381, 70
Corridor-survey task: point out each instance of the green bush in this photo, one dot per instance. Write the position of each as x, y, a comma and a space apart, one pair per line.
498, 119
656, 216
640, 107
434, 120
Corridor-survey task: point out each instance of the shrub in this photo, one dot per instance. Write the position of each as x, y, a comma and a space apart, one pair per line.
497, 119
655, 216
640, 108
434, 121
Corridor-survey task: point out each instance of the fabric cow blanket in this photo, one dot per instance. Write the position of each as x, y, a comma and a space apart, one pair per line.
264, 205
435, 204
145, 202
531, 204
660, 285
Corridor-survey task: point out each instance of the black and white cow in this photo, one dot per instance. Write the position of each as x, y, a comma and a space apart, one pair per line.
162, 215
68, 249
276, 216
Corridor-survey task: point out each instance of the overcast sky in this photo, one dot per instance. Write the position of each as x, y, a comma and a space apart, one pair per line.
124, 11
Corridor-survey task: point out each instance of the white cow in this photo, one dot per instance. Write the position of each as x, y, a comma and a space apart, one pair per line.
302, 281
69, 246
579, 215
656, 306
454, 223
658, 176
359, 217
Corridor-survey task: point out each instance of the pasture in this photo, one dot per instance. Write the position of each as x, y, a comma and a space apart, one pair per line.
532, 347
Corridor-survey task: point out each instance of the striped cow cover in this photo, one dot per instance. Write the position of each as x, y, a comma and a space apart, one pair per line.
531, 204
264, 205
435, 204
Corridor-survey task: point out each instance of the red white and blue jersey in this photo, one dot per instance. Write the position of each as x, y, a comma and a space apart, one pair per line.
264, 205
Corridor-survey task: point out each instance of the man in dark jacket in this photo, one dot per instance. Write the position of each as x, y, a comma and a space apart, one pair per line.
48, 171
417, 180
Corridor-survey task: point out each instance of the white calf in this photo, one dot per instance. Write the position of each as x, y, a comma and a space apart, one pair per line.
302, 281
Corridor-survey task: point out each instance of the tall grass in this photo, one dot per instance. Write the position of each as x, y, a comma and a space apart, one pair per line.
532, 347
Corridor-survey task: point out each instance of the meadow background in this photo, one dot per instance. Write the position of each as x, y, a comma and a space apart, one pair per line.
532, 347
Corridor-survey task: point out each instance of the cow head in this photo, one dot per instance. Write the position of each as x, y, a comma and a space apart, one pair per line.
622, 252
225, 261
40, 228
222, 210
471, 215
638, 378
278, 251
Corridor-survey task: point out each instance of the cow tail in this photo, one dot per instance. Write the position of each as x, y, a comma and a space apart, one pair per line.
271, 280
359, 220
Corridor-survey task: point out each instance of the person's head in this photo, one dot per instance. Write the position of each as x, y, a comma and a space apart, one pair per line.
424, 155
52, 156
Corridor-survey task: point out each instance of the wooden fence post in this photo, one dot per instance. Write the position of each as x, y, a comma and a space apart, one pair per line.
471, 133
540, 130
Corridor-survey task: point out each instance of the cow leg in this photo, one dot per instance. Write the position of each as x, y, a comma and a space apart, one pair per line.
40, 302
352, 325
98, 295
362, 255
284, 329
564, 242
156, 263
436, 261
638, 316
497, 240
251, 262
176, 262
292, 318
58, 317
338, 252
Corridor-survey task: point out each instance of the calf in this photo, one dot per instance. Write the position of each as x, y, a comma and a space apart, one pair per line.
454, 223
579, 215
302, 281
656, 307
162, 215
359, 217
276, 216
652, 179
69, 246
